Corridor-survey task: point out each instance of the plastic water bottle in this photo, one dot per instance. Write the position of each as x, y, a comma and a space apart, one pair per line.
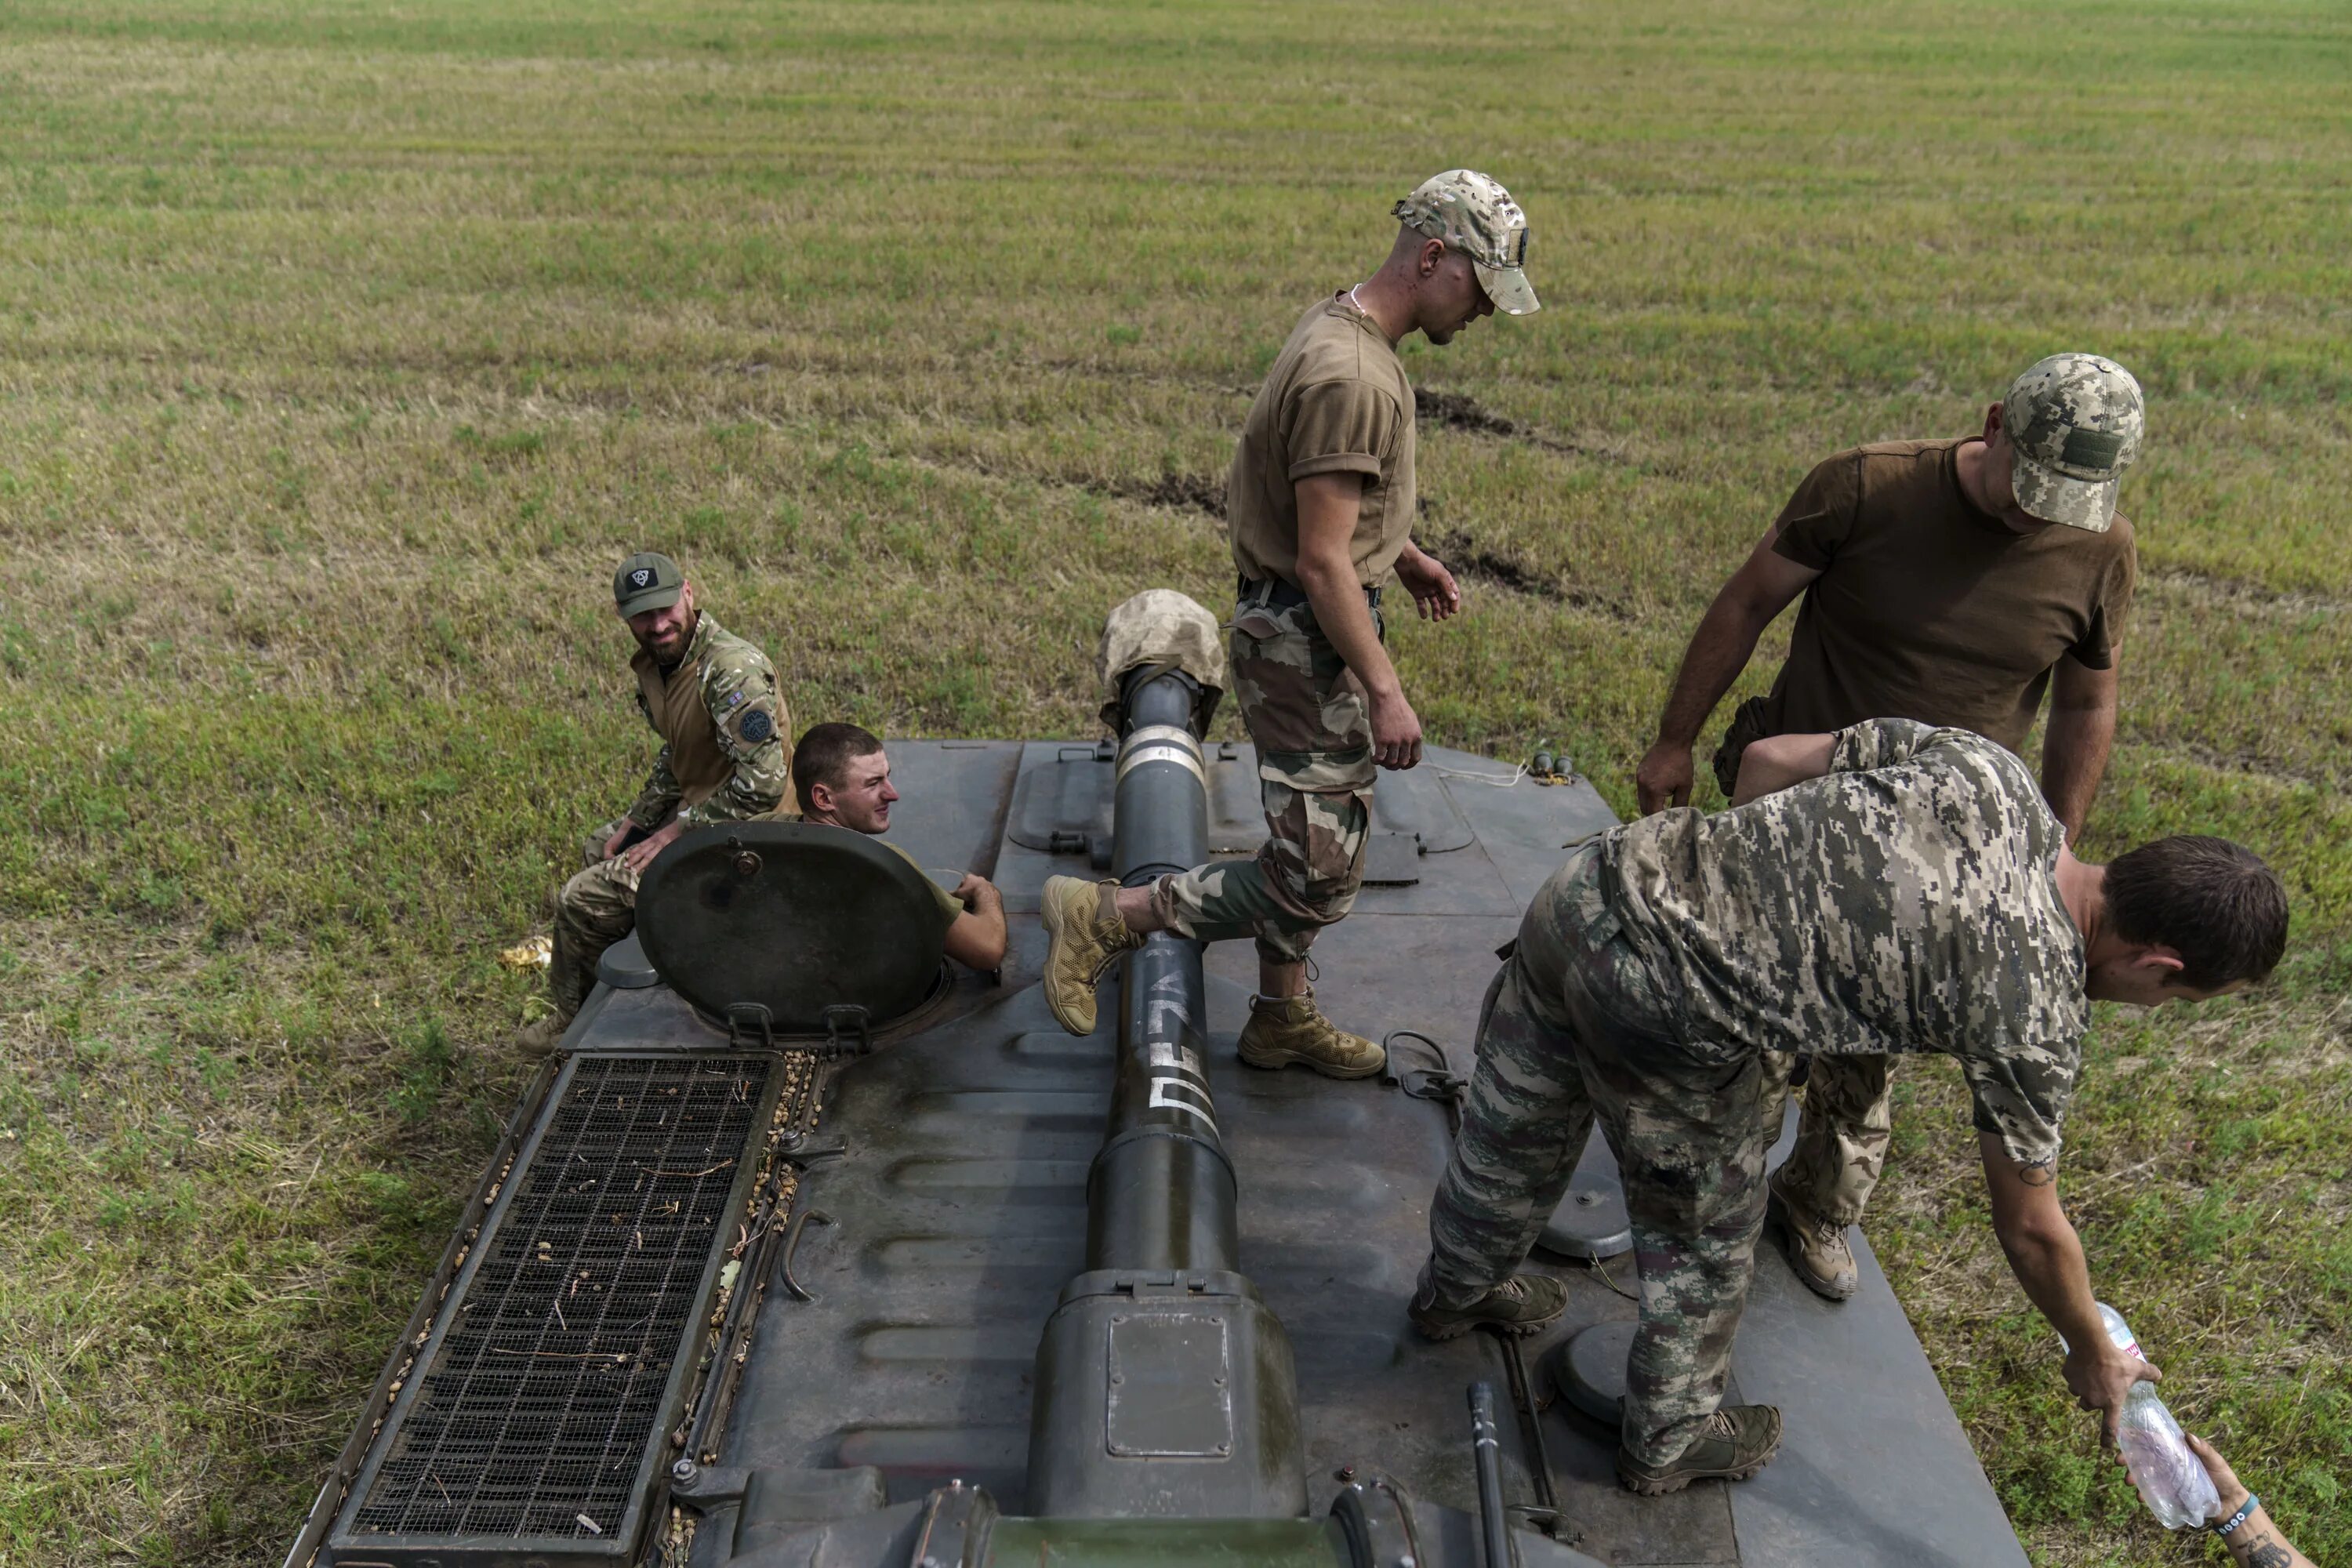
2171, 1479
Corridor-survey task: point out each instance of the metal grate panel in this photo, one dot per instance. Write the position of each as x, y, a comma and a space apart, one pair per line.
534, 1417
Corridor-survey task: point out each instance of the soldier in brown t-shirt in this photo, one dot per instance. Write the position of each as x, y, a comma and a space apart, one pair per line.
1953, 582
1319, 500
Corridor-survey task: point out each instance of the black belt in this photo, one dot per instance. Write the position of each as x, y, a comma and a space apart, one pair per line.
1287, 595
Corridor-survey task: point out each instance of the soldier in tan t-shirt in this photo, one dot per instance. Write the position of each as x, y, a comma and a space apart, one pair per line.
1950, 582
1320, 503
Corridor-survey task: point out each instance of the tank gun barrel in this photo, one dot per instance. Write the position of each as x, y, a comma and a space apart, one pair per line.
1161, 1192
1164, 1385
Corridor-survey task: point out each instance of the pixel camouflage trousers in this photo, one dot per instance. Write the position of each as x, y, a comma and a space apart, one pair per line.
597, 907
1577, 1027
1306, 714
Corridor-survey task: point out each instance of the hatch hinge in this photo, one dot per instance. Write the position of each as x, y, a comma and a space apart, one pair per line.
750, 1025
848, 1031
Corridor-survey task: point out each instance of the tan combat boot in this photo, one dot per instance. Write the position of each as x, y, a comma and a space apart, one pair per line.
1523, 1304
1293, 1029
1817, 1248
1737, 1441
1083, 935
536, 1039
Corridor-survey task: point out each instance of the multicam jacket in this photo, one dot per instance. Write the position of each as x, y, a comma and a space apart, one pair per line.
723, 725
1907, 901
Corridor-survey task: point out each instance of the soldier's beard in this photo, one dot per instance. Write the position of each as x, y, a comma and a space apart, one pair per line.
668, 648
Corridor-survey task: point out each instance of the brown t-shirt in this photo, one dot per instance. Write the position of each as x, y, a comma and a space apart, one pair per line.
1336, 402
1928, 609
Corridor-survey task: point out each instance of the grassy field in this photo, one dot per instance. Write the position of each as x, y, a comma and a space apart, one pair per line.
343, 348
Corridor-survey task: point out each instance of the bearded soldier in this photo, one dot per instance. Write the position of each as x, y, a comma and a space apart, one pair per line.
1321, 504
712, 699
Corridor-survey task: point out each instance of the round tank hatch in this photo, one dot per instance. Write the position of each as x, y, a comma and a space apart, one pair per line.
793, 917
1589, 1370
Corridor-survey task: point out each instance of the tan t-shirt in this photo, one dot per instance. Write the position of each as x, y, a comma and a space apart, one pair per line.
1928, 609
1336, 402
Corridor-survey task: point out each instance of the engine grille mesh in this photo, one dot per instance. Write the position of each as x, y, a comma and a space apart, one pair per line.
535, 1415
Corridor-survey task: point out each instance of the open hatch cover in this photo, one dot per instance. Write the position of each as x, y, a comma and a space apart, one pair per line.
796, 918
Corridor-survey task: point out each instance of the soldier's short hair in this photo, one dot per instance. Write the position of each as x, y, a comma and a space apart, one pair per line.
2215, 904
823, 755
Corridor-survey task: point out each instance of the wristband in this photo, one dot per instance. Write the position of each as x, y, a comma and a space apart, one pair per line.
2245, 1512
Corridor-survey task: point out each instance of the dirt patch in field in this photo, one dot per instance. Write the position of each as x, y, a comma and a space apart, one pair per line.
2249, 763
2202, 587
1459, 411
1465, 555
1194, 492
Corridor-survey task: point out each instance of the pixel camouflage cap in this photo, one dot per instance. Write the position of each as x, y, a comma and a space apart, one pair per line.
2075, 423
646, 581
1476, 216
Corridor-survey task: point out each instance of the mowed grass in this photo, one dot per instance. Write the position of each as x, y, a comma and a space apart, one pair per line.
343, 348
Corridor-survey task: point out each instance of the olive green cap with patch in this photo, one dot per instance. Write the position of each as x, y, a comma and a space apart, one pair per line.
647, 581
2075, 422
1476, 216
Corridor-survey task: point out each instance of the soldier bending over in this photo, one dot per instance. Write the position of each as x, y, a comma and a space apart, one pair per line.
1320, 502
843, 781
1919, 897
712, 699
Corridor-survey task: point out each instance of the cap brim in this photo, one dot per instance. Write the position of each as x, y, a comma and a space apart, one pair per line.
2052, 497
651, 599
1508, 288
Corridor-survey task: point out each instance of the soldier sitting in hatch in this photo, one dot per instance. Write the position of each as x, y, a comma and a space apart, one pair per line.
712, 699
843, 780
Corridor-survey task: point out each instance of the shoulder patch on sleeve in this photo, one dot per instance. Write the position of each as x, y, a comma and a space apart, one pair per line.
756, 726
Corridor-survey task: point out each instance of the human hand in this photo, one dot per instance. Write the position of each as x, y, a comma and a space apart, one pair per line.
1435, 593
2233, 1491
977, 893
613, 845
2100, 1376
1396, 732
1664, 779
640, 855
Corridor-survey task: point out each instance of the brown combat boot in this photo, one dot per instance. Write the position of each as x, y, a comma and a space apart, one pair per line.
1816, 1247
1523, 1304
537, 1039
1737, 1441
1083, 935
1283, 1030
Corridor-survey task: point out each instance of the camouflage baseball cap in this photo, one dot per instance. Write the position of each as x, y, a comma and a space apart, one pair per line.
2075, 421
1477, 217
647, 581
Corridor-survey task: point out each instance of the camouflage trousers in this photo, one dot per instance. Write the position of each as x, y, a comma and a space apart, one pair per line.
1841, 1132
597, 907
1579, 1026
1848, 1108
1307, 715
